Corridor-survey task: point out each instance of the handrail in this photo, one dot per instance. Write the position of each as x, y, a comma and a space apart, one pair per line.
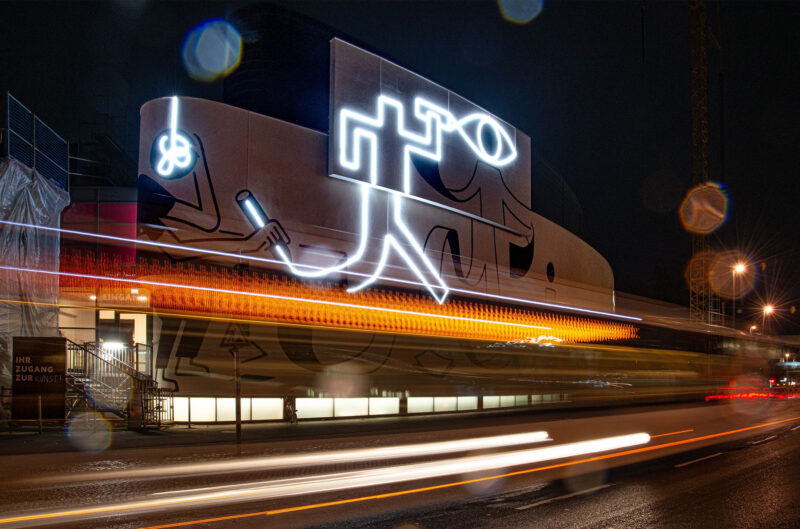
113, 362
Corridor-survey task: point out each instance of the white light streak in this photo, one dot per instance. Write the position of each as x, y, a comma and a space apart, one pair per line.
316, 458
156, 244
418, 471
315, 271
356, 478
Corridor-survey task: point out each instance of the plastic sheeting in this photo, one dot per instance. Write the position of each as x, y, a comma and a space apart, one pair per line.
28, 300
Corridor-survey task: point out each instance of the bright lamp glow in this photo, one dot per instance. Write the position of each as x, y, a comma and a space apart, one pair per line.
739, 268
768, 309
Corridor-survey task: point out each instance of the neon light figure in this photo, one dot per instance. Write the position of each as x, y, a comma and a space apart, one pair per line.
175, 148
355, 130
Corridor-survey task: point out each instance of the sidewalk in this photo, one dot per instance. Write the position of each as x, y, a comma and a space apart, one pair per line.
256, 435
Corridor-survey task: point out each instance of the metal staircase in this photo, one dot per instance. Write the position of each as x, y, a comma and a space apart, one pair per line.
101, 380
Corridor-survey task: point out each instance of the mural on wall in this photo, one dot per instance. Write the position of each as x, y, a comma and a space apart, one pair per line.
415, 187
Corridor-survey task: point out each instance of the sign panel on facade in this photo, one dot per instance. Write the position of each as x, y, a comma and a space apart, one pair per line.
39, 372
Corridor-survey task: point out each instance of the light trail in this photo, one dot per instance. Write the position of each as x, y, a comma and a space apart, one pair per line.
94, 511
673, 433
270, 296
356, 479
192, 249
325, 458
299, 508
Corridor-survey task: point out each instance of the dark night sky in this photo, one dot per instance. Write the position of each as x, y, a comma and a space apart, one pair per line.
602, 88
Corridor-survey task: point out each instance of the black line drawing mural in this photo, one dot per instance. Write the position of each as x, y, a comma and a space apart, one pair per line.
420, 186
196, 218
158, 207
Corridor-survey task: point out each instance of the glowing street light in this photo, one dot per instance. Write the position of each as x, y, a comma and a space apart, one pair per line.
752, 328
737, 269
768, 309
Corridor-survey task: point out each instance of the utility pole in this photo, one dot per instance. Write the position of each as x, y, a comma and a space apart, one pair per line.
235, 352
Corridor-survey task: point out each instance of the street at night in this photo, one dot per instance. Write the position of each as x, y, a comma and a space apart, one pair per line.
703, 462
422, 264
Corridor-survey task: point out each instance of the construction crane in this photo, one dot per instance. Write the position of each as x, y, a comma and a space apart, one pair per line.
700, 296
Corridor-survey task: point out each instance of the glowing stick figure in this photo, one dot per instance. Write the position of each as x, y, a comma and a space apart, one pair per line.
175, 148
357, 130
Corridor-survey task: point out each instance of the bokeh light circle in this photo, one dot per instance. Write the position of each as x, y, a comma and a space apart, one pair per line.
699, 264
212, 50
727, 283
520, 11
89, 432
704, 209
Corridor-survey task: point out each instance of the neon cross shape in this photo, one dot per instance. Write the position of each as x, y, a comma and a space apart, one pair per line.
357, 129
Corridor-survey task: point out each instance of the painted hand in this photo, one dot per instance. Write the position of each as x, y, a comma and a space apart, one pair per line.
276, 234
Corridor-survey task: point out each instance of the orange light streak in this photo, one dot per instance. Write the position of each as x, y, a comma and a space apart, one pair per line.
672, 433
193, 288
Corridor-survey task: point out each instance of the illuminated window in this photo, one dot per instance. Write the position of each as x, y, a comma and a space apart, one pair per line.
384, 406
266, 409
420, 404
350, 407
467, 403
314, 408
491, 401
203, 409
445, 404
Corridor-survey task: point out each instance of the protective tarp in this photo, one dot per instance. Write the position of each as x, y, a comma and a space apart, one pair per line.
28, 298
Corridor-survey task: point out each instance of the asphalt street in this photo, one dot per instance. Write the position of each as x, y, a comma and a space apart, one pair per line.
749, 483
723, 465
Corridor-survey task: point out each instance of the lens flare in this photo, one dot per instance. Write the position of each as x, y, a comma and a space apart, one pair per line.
520, 11
89, 432
704, 209
212, 50
732, 274
699, 266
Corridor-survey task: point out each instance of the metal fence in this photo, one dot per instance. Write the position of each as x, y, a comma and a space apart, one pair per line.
27, 139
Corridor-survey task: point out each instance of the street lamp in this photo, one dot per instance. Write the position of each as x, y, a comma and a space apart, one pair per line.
737, 269
768, 309
752, 328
